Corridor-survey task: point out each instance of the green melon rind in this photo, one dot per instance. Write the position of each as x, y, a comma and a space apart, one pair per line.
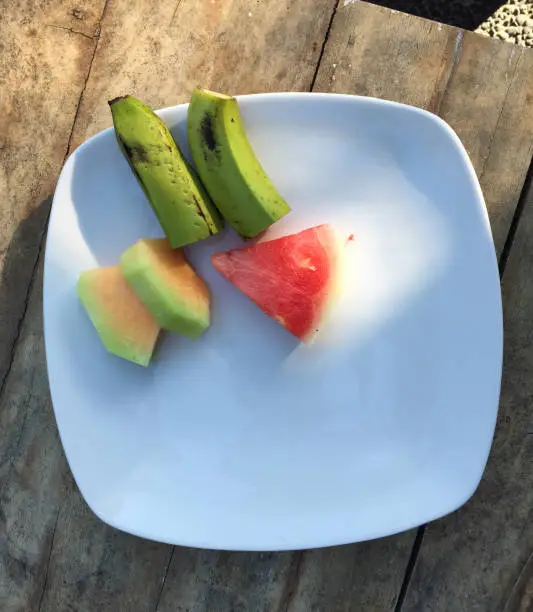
169, 309
114, 344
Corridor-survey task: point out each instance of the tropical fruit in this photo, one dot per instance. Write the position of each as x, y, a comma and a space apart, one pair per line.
123, 323
166, 284
228, 167
170, 184
293, 279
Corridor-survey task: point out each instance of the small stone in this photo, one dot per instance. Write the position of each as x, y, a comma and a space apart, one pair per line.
513, 30
502, 34
529, 23
521, 20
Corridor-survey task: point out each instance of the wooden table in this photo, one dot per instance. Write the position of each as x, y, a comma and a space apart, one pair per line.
59, 63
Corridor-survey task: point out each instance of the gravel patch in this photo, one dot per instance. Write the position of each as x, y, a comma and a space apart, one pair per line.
511, 21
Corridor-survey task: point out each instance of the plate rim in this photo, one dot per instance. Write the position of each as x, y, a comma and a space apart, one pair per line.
279, 546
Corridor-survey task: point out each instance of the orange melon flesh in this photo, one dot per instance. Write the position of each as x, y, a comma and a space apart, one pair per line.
124, 324
167, 285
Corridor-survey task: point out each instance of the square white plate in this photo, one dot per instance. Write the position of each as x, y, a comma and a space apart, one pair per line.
246, 439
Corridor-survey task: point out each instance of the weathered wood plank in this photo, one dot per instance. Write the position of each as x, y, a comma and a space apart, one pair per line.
113, 571
170, 48
473, 83
488, 103
223, 582
470, 560
521, 597
373, 52
43, 65
477, 558
46, 51
366, 576
160, 51
412, 58
32, 470
479, 87
160, 54
40, 506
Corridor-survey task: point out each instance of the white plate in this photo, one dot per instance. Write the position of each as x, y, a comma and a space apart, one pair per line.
246, 439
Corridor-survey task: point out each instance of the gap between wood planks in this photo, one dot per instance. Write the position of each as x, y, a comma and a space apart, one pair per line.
293, 580
525, 195
167, 568
298, 556
31, 283
324, 43
34, 272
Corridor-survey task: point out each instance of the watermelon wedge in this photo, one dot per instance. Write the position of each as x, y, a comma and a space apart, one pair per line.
292, 279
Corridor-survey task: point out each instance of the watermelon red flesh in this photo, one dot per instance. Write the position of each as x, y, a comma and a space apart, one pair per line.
290, 278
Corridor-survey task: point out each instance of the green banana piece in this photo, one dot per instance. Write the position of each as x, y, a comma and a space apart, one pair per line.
174, 191
228, 167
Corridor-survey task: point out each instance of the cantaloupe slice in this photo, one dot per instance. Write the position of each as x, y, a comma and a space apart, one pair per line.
122, 321
164, 281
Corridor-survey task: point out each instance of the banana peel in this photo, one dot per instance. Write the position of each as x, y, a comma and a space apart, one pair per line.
173, 189
228, 166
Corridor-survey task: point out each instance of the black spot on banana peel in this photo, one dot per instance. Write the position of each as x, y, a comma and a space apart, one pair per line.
136, 154
200, 212
206, 127
173, 189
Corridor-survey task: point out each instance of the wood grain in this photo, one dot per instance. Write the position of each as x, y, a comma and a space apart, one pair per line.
160, 51
46, 50
33, 472
95, 567
478, 86
373, 52
366, 576
487, 101
521, 597
210, 581
477, 558
54, 553
469, 560
41, 509
483, 90
42, 44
